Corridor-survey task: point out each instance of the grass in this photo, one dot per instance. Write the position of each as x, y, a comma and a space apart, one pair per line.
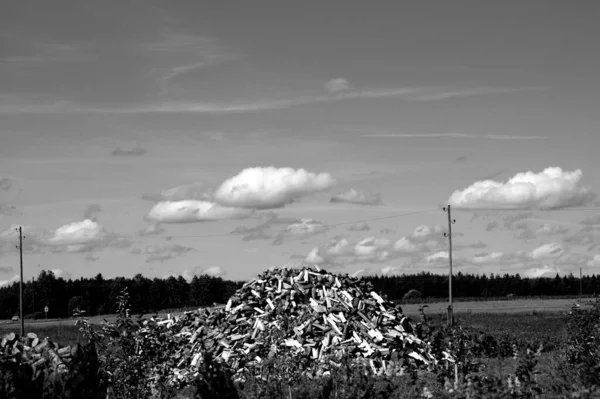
65, 333
512, 306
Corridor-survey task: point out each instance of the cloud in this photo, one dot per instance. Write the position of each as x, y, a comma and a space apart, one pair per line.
189, 274
582, 237
270, 187
306, 228
256, 236
389, 270
485, 257
592, 221
595, 261
259, 105
91, 257
452, 136
83, 236
267, 220
176, 54
10, 281
545, 251
544, 271
544, 230
552, 188
152, 229
191, 191
91, 210
9, 210
404, 245
359, 227
516, 222
437, 257
315, 258
6, 269
59, 273
77, 233
337, 85
493, 225
371, 246
6, 184
190, 211
131, 152
356, 197
462, 158
161, 253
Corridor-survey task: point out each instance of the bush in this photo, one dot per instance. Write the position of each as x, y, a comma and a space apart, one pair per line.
412, 294
582, 350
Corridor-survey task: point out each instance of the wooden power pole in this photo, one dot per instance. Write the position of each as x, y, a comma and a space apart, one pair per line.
21, 237
580, 283
449, 235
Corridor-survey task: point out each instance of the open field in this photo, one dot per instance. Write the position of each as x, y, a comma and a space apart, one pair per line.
496, 307
512, 306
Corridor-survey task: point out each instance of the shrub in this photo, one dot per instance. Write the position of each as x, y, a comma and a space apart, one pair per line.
412, 294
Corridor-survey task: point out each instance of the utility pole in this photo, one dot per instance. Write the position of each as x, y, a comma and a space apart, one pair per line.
580, 283
21, 237
449, 235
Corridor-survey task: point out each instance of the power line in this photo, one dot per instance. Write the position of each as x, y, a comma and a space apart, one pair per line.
281, 231
524, 210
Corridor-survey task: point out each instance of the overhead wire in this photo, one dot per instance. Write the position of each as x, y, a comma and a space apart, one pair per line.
282, 231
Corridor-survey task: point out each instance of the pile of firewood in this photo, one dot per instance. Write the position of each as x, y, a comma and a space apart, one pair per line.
303, 314
39, 353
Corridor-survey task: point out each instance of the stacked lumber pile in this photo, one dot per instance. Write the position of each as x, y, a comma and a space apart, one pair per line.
302, 314
39, 353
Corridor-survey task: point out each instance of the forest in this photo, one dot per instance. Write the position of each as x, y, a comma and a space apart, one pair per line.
98, 296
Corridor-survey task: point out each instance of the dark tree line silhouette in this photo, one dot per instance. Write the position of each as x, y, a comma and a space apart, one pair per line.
483, 286
97, 295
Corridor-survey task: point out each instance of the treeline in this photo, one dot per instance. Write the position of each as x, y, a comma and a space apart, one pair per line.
482, 286
97, 296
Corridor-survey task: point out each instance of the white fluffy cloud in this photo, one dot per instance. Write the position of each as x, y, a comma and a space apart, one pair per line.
188, 211
370, 246
337, 85
270, 187
191, 191
82, 232
356, 197
437, 257
315, 258
552, 188
544, 271
189, 274
404, 245
545, 251
83, 236
484, 257
9, 281
595, 261
389, 270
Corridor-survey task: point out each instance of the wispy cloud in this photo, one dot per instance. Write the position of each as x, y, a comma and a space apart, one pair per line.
441, 95
129, 152
405, 93
453, 136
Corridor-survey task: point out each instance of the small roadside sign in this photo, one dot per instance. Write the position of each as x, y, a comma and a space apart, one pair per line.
46, 310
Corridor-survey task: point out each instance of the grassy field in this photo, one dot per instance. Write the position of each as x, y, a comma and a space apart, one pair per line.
523, 320
512, 306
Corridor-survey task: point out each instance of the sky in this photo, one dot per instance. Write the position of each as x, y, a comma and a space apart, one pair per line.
185, 137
